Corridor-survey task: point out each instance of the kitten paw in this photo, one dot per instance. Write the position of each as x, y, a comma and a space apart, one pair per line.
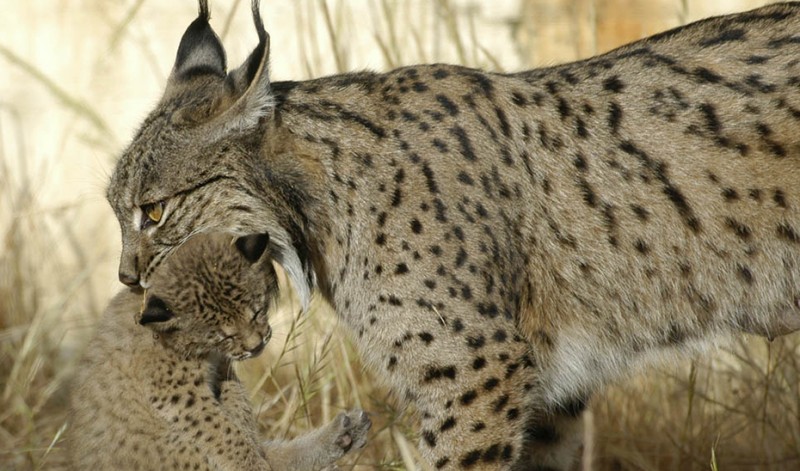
352, 428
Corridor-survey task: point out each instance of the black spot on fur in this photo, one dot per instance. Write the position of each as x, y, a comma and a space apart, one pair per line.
429, 438
674, 194
434, 373
512, 414
780, 198
746, 274
449, 423
491, 454
730, 194
728, 35
468, 397
614, 117
470, 459
787, 232
491, 383
613, 84
741, 230
440, 74
503, 120
429, 178
476, 342
447, 104
640, 212
465, 145
580, 162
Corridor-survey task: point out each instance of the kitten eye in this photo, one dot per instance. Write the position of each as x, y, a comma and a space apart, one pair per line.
259, 315
153, 213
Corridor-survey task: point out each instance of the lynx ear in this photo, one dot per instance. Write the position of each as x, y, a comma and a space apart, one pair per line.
200, 51
156, 310
250, 84
252, 246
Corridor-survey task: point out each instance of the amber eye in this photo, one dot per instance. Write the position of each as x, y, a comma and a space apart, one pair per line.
154, 212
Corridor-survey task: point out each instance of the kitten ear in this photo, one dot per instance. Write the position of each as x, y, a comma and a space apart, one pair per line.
200, 51
156, 310
252, 246
250, 84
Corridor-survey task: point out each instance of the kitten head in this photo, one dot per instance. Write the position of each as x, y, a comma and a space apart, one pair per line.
212, 295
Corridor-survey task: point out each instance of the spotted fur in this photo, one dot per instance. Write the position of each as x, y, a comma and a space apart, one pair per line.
164, 396
500, 245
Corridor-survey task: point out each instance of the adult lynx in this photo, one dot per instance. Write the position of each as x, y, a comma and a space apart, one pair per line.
500, 245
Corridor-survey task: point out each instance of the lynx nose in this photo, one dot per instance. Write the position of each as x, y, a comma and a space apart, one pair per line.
128, 279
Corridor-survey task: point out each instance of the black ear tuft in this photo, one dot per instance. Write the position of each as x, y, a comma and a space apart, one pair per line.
156, 310
251, 79
252, 246
260, 54
200, 51
202, 9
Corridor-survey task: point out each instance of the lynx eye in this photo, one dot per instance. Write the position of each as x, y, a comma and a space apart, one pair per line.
153, 213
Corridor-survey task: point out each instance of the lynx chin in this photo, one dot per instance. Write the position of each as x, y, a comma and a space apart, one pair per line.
155, 389
500, 246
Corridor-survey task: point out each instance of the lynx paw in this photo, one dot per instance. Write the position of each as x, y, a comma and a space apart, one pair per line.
351, 430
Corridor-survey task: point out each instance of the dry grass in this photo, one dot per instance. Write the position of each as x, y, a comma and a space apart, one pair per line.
78, 76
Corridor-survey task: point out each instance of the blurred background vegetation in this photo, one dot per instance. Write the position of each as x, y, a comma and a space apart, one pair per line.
77, 76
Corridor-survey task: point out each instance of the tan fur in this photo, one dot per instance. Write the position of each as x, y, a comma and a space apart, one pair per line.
503, 245
164, 395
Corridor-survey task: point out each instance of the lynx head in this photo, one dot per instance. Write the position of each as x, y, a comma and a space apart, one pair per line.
198, 163
212, 295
